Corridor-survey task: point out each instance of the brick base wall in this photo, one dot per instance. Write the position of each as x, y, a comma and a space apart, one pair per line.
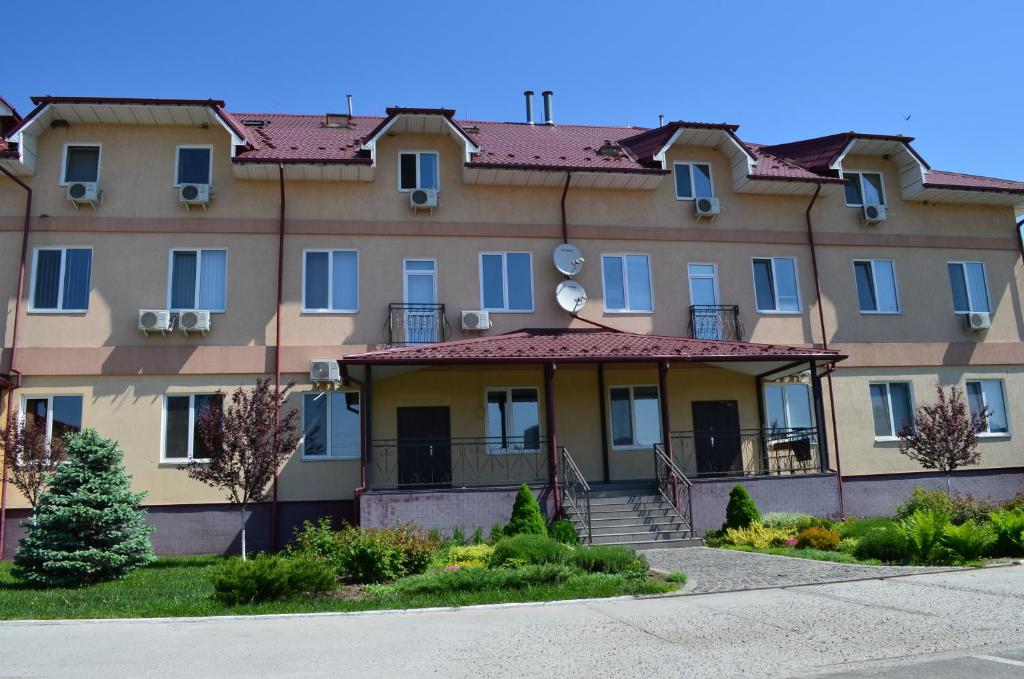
445, 510
816, 495
879, 495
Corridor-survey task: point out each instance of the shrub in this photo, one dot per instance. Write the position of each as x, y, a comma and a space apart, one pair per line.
1016, 503
266, 578
458, 536
969, 541
817, 537
858, 528
478, 536
526, 549
924, 531
924, 499
676, 576
889, 545
965, 508
1009, 527
478, 579
469, 556
848, 545
365, 556
741, 510
496, 533
714, 537
564, 531
757, 536
526, 516
609, 559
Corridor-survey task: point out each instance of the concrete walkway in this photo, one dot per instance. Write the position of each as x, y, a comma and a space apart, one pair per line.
950, 620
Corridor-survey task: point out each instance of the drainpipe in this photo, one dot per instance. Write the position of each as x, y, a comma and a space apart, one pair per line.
824, 345
277, 353
12, 370
565, 224
1020, 237
348, 380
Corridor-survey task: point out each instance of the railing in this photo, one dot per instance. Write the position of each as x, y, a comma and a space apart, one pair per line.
416, 324
575, 490
748, 452
456, 462
716, 322
673, 485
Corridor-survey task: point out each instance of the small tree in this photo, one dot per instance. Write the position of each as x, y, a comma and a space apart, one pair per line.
526, 516
741, 510
30, 457
944, 435
246, 443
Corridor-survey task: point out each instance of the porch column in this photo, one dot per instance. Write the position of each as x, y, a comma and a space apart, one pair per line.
549, 417
666, 424
819, 416
605, 463
761, 416
367, 425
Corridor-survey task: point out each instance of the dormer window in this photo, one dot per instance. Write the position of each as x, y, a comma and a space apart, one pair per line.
81, 164
417, 170
864, 188
193, 165
693, 180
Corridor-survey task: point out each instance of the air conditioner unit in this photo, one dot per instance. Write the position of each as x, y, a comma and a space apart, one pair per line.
872, 214
194, 320
324, 371
422, 198
476, 320
977, 320
706, 207
84, 192
154, 320
194, 194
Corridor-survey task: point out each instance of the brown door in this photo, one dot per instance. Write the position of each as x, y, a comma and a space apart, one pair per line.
424, 447
716, 433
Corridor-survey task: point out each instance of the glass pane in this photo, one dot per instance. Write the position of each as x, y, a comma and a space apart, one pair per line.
764, 288
419, 265
345, 286
993, 390
785, 285
213, 276
975, 400
902, 413
419, 289
702, 181
775, 406
622, 421
183, 280
852, 188
83, 164
77, 272
683, 188
35, 411
959, 286
702, 270
614, 284
203, 402
497, 404
703, 291
492, 282
880, 410
798, 402
345, 424
176, 427
315, 293
638, 269
520, 287
314, 418
976, 285
872, 186
647, 415
865, 286
428, 171
407, 170
193, 166
67, 415
525, 419
47, 279
885, 286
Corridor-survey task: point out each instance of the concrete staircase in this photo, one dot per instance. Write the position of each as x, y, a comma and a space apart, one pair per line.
639, 518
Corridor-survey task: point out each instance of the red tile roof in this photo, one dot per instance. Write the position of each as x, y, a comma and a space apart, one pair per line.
939, 179
586, 346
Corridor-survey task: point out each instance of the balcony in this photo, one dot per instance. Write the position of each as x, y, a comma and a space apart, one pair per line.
716, 322
410, 324
456, 462
748, 452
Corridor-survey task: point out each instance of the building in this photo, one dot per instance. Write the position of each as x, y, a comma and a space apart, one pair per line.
766, 312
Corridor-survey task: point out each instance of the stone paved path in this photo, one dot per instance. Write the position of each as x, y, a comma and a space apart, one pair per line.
725, 570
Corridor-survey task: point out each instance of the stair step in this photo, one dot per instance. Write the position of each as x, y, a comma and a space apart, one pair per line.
631, 539
625, 499
665, 544
632, 520
665, 510
639, 528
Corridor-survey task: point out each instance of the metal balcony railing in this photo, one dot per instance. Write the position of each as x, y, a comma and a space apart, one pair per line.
416, 324
748, 452
716, 322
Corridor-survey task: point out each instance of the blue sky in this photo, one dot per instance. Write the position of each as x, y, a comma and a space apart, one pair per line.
781, 70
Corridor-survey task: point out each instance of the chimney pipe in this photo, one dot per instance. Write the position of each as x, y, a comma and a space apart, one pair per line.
661, 120
529, 106
349, 98
549, 116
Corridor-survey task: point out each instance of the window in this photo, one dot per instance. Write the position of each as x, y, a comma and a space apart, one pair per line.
693, 180
506, 281
512, 420
193, 165
775, 284
417, 170
788, 405
199, 280
876, 286
181, 413
864, 188
891, 408
331, 281
61, 415
627, 283
81, 163
331, 426
635, 417
988, 394
61, 278
970, 290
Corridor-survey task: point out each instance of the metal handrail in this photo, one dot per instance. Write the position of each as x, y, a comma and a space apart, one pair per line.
716, 321
771, 451
670, 479
573, 486
432, 327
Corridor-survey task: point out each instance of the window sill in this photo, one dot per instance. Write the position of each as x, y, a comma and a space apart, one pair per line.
995, 435
531, 451
419, 188
770, 312
328, 458
182, 463
210, 311
863, 205
508, 311
880, 313
51, 312
330, 312
633, 449
630, 312
887, 439
975, 311
691, 199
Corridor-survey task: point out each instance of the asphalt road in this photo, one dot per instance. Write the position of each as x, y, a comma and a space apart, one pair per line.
962, 624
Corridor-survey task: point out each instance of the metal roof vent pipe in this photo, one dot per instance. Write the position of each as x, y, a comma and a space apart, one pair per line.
549, 115
529, 106
349, 98
661, 120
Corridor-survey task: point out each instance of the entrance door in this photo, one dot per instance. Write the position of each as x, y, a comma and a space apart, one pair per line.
422, 325
424, 447
707, 323
716, 432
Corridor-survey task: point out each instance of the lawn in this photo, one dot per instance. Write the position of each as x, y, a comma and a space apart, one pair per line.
814, 554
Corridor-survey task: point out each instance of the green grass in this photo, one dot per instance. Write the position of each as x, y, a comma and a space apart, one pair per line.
814, 554
857, 528
180, 587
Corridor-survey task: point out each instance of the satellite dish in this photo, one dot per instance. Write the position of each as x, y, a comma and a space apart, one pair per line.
571, 296
568, 259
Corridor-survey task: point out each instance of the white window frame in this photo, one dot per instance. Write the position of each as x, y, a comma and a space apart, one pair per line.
330, 281
632, 416
191, 427
508, 413
625, 283
860, 180
177, 158
874, 278
962, 263
775, 287
888, 400
64, 161
60, 283
329, 457
693, 188
788, 424
48, 397
406, 272
1006, 410
713, 276
504, 282
419, 184
199, 273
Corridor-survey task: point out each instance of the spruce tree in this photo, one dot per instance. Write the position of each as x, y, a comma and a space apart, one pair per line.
526, 516
88, 525
741, 510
